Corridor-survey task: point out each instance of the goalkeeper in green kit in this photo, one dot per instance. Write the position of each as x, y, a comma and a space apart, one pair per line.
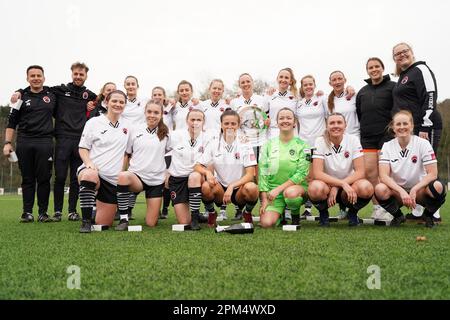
283, 171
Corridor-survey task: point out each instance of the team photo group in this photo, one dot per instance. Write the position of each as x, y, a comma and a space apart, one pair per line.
294, 146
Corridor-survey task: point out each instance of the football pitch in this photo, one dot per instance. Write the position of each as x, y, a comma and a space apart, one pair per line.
55, 261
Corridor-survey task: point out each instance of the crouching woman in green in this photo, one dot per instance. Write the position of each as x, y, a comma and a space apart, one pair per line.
283, 169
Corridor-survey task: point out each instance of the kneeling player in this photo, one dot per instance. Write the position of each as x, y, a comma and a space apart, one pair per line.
338, 167
146, 146
283, 171
102, 148
233, 163
408, 173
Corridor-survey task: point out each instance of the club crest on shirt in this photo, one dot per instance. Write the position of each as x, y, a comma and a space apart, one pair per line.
201, 149
46, 99
222, 109
405, 80
292, 152
125, 130
85, 95
315, 103
237, 155
414, 159
346, 154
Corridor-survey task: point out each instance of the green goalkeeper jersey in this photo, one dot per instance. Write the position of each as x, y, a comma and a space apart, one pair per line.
280, 162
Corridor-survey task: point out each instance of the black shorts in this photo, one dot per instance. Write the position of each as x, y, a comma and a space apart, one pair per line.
151, 191
375, 142
107, 192
233, 196
178, 188
168, 160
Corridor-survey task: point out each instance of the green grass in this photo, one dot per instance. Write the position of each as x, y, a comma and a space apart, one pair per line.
270, 264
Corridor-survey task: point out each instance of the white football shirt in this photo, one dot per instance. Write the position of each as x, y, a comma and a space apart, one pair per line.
338, 160
275, 103
186, 152
229, 161
134, 111
147, 155
180, 112
311, 114
408, 165
107, 143
213, 111
348, 109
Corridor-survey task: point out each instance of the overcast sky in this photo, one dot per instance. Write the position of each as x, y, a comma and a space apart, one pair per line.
163, 42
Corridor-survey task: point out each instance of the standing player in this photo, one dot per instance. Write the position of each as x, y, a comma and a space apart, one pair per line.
283, 171
250, 106
408, 173
146, 172
102, 149
213, 109
311, 113
416, 91
374, 104
338, 167
159, 97
228, 168
285, 97
99, 106
33, 118
183, 105
188, 146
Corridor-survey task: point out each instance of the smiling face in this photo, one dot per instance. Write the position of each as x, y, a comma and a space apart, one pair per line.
131, 86
286, 120
375, 70
79, 76
158, 96
115, 103
35, 78
402, 125
308, 86
216, 90
337, 81
153, 114
284, 80
336, 126
403, 56
246, 83
230, 125
185, 92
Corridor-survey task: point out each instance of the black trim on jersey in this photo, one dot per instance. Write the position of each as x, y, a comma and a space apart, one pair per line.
184, 105
337, 149
404, 153
341, 95
132, 100
229, 147
116, 125
152, 131
192, 143
282, 94
308, 102
248, 101
215, 104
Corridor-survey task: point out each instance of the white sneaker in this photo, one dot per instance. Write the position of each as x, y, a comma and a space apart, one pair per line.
342, 214
287, 214
379, 213
418, 211
222, 215
437, 214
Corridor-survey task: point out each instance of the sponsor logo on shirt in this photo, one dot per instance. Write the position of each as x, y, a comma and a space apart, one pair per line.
394, 160
138, 136
103, 132
67, 94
